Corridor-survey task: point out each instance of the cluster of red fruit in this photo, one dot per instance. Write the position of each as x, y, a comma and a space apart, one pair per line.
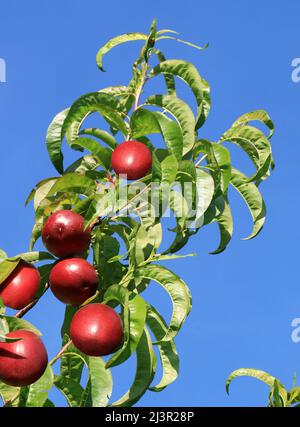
96, 329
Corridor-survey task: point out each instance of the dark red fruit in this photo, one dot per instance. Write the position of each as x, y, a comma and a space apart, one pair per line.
20, 288
64, 236
22, 362
73, 280
131, 158
96, 330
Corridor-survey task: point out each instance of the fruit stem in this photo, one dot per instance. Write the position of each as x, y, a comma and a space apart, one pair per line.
28, 307
59, 354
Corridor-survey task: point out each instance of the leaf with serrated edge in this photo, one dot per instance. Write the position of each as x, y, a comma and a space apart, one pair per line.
253, 199
145, 371
134, 321
115, 42
178, 292
167, 350
182, 113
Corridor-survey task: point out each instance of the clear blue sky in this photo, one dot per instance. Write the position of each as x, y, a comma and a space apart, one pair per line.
244, 299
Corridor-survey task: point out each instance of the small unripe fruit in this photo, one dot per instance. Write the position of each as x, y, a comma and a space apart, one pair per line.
22, 362
96, 330
131, 158
73, 280
21, 286
63, 234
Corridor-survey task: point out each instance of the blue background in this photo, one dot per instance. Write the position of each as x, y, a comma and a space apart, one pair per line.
244, 299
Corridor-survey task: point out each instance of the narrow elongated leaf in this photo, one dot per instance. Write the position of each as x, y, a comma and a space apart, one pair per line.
8, 392
73, 182
7, 267
14, 324
145, 371
134, 309
145, 122
182, 113
42, 191
222, 157
169, 79
225, 223
106, 247
255, 144
167, 350
106, 105
115, 42
36, 394
205, 191
100, 381
33, 256
184, 42
102, 135
3, 255
102, 154
248, 372
188, 73
54, 140
260, 375
178, 292
253, 199
83, 164
71, 389
257, 115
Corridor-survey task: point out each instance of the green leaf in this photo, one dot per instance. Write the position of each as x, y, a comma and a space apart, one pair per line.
41, 191
72, 361
188, 73
254, 373
260, 375
147, 241
134, 309
184, 42
14, 324
223, 159
225, 223
294, 395
106, 247
169, 79
104, 104
4, 338
8, 392
180, 207
253, 199
145, 122
145, 370
181, 112
73, 183
257, 115
178, 292
115, 42
102, 154
54, 140
167, 350
255, 144
205, 191
33, 256
3, 255
71, 389
7, 267
83, 164
36, 394
100, 381
102, 135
